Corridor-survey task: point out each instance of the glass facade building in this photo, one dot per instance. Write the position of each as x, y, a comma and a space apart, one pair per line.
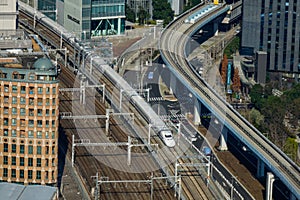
47, 7
273, 26
95, 17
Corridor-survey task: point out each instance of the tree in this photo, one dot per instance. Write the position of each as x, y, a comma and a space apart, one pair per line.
256, 118
224, 69
130, 16
236, 86
191, 4
257, 96
162, 10
143, 15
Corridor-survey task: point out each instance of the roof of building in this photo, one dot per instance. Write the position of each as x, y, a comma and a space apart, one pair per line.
43, 64
12, 191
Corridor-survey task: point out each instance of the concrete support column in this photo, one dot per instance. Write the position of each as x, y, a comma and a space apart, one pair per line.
216, 28
260, 168
269, 186
223, 139
197, 111
119, 26
173, 84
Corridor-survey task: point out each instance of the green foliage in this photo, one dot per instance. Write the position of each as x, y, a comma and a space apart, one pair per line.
191, 4
256, 118
291, 148
130, 16
162, 10
257, 96
143, 15
232, 47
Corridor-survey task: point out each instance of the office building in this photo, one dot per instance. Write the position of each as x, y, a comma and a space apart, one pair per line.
47, 7
273, 27
91, 18
29, 112
8, 14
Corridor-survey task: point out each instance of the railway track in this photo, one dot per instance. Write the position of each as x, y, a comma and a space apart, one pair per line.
88, 164
173, 41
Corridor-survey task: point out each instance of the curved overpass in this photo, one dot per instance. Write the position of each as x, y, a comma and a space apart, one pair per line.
172, 48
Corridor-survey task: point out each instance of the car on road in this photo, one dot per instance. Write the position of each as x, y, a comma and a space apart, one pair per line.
150, 75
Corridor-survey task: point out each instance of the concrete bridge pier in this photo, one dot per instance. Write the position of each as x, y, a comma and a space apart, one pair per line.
197, 112
260, 168
223, 139
269, 186
216, 28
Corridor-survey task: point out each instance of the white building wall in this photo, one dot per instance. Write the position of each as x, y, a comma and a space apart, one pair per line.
8, 14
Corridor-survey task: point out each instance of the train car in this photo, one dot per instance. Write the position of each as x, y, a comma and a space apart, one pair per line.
152, 118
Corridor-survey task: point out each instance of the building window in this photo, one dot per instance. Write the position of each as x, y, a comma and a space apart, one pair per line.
53, 149
14, 111
5, 160
39, 123
53, 135
47, 112
5, 132
22, 76
21, 161
53, 90
53, 102
13, 173
39, 150
47, 135
31, 123
38, 175
47, 90
6, 110
5, 147
21, 173
47, 123
39, 134
47, 102
5, 121
30, 162
53, 112
5, 172
40, 101
40, 90
14, 89
47, 150
6, 99
6, 88
15, 75
13, 148
22, 111
31, 101
22, 148
29, 174
22, 100
30, 149
31, 112
14, 100
40, 112
31, 90
22, 134
53, 124
38, 162
23, 89
13, 133
13, 121
13, 160
30, 134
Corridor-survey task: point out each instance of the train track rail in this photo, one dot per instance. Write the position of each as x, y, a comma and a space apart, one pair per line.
173, 42
193, 187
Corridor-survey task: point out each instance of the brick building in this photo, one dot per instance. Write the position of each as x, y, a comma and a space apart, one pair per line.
29, 116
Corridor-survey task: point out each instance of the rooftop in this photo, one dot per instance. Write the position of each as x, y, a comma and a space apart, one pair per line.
12, 191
